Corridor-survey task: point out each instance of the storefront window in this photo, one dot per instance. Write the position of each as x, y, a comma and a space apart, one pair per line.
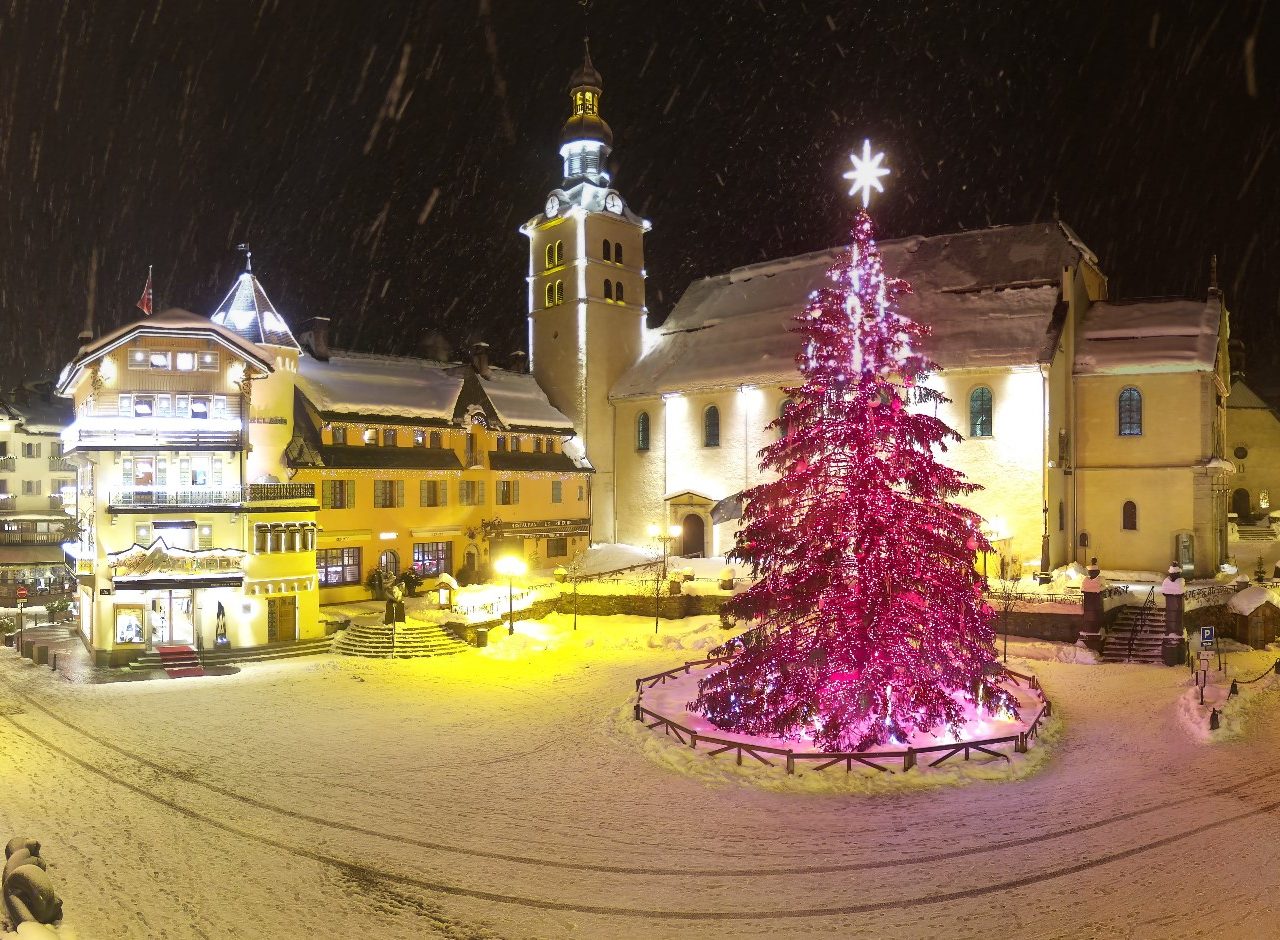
129, 625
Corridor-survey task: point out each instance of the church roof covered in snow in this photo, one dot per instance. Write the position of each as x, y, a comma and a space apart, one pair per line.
1149, 336
1244, 398
355, 385
989, 296
248, 311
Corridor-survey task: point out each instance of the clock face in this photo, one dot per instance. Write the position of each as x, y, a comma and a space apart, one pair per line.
613, 202
553, 207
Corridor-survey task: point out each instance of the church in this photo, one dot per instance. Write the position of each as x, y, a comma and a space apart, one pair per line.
1096, 427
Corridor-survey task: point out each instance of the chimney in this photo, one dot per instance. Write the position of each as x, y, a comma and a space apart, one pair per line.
480, 359
434, 346
314, 337
519, 361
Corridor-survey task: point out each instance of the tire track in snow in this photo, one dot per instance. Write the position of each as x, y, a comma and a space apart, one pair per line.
651, 871
357, 871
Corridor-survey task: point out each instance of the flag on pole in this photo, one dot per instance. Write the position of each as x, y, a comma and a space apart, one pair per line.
144, 302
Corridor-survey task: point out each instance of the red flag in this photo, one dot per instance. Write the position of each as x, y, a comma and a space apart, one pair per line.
144, 302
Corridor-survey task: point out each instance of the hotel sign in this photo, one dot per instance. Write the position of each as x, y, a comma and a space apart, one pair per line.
159, 558
496, 528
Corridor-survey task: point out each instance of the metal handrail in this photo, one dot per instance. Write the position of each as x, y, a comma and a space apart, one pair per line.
1148, 610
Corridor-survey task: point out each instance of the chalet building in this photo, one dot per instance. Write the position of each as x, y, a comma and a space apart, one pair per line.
1096, 427
439, 466
37, 487
189, 535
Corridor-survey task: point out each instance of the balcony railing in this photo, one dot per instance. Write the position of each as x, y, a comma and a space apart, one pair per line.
8, 500
124, 432
61, 465
200, 496
29, 537
268, 492
8, 464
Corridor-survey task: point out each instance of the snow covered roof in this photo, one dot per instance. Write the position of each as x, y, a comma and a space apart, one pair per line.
1250, 599
1243, 397
989, 296
393, 386
248, 311
172, 321
1149, 336
519, 402
35, 407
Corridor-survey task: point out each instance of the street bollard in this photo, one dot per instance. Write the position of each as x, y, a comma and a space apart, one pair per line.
1213, 720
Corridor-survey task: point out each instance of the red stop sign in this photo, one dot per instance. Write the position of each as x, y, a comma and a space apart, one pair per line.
21, 593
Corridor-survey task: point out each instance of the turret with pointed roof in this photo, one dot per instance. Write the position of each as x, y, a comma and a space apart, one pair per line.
248, 311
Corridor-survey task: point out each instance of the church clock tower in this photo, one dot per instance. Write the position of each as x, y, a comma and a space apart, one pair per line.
586, 289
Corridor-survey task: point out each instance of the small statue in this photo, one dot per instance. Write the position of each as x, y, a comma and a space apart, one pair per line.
28, 888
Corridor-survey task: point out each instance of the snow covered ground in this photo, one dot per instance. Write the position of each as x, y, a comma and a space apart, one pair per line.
503, 794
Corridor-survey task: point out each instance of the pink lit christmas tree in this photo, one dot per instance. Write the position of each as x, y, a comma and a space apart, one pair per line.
874, 625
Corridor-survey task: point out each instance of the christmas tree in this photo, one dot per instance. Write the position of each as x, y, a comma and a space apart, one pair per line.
872, 615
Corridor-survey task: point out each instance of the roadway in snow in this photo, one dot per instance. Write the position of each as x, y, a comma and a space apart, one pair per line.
507, 794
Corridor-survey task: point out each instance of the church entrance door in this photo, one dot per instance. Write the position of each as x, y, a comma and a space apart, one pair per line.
1240, 505
693, 540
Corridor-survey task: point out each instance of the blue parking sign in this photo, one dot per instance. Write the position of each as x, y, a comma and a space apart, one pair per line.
1206, 636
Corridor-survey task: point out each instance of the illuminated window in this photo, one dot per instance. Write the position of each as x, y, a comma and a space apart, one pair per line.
339, 435
617, 292
159, 361
1129, 516
608, 290
642, 431
419, 438
607, 251
559, 252
432, 558
370, 436
551, 255
338, 565
980, 412
207, 362
559, 292
711, 427
184, 361
1130, 412
617, 252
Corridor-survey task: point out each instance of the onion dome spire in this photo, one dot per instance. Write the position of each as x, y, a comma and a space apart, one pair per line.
585, 139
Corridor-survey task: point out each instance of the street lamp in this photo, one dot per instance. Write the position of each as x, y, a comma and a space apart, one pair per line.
511, 566
655, 532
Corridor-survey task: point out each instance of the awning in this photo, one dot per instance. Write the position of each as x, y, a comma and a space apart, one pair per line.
31, 554
727, 509
175, 584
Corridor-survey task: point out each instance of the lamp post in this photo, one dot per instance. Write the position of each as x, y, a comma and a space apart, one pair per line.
511, 566
665, 539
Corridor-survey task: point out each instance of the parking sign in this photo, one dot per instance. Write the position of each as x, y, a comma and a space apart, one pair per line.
1206, 637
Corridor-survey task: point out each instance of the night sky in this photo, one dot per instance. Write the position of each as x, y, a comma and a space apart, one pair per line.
380, 156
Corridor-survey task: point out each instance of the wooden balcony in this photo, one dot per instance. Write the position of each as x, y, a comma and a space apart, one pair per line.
225, 498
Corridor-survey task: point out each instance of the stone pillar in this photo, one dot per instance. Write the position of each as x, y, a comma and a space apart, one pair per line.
1091, 589
1172, 589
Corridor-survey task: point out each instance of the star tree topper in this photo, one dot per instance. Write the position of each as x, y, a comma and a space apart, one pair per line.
866, 173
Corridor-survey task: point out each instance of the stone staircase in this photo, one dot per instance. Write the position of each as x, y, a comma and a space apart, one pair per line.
1136, 637
1255, 533
413, 640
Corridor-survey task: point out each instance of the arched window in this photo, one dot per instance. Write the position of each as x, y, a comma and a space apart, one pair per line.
1129, 409
711, 427
551, 294
551, 255
559, 252
980, 412
559, 292
605, 252
617, 252
1129, 516
642, 431
617, 292
608, 290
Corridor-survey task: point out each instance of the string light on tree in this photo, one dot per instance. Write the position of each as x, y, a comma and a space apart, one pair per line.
873, 619
866, 173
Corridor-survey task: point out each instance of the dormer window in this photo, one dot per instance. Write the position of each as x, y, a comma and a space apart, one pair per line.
370, 436
339, 435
